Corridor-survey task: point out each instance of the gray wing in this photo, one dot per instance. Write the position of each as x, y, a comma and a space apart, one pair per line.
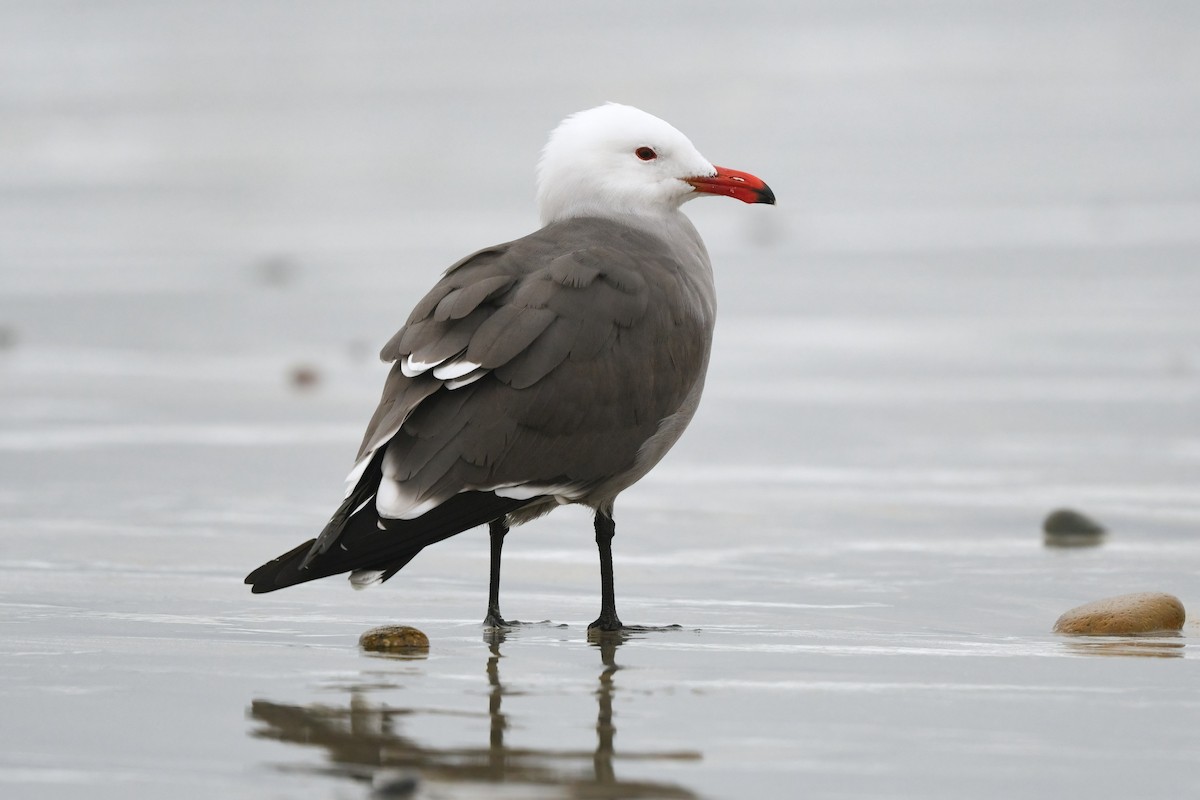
546, 362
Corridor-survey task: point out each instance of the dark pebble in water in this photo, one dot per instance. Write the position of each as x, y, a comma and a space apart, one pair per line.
394, 639
303, 376
8, 337
1141, 612
1068, 528
394, 783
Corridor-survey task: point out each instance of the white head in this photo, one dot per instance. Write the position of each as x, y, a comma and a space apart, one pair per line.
615, 160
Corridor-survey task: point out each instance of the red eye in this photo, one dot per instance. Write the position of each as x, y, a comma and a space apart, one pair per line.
646, 153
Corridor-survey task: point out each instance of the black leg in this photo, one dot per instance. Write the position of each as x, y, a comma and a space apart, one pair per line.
608, 620
497, 529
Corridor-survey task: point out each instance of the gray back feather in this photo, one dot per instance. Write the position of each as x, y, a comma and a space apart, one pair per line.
593, 332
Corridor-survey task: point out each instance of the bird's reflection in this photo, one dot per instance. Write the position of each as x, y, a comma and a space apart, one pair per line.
368, 742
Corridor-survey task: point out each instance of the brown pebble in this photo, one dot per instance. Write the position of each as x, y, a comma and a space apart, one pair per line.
1141, 612
394, 639
303, 376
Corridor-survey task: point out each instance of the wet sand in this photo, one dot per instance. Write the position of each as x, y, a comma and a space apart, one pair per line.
930, 346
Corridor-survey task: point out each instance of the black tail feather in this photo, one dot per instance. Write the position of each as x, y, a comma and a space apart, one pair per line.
361, 544
360, 496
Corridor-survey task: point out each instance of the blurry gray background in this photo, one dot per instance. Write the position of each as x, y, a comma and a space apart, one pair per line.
152, 145
976, 301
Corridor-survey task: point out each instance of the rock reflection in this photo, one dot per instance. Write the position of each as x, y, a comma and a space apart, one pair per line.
1160, 646
367, 742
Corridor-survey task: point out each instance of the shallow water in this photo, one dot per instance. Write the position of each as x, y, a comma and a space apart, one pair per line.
975, 305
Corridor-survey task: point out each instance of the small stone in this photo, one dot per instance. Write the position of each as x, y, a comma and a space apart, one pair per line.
1141, 612
394, 639
1069, 528
392, 783
303, 376
8, 337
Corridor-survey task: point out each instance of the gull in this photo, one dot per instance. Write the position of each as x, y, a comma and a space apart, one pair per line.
558, 368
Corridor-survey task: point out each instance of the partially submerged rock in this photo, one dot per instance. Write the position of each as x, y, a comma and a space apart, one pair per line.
392, 783
1066, 527
1141, 612
395, 639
